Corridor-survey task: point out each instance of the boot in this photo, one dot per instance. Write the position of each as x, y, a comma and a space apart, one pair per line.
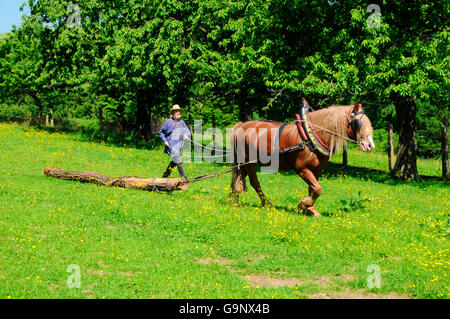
181, 170
169, 169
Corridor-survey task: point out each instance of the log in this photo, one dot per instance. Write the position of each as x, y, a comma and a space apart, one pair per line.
149, 184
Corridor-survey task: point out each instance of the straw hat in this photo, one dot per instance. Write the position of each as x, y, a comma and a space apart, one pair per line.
175, 107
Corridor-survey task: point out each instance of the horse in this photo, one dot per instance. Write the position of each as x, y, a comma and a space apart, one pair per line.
331, 126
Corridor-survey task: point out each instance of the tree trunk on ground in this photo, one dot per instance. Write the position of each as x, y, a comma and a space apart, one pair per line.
143, 116
406, 165
149, 184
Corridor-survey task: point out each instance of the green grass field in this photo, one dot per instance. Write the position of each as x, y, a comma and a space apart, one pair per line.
193, 244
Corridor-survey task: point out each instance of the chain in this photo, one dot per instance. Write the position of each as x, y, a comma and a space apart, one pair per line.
220, 172
208, 148
205, 157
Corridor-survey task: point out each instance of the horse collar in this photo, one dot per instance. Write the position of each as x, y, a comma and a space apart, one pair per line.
307, 133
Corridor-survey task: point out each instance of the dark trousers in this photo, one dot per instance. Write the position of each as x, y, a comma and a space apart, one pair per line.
171, 167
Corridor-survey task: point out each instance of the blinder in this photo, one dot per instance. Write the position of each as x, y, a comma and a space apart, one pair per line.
356, 124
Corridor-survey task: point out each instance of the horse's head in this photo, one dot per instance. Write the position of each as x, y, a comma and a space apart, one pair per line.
360, 128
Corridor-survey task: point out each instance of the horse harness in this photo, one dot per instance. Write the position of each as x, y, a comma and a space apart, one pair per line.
307, 134
309, 137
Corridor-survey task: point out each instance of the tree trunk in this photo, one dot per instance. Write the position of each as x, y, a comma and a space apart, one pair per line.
190, 123
37, 99
391, 146
143, 116
406, 165
100, 117
444, 153
52, 122
244, 113
214, 133
39, 105
245, 108
344, 155
149, 184
122, 126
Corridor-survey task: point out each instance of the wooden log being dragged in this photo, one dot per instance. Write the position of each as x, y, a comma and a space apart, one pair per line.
149, 184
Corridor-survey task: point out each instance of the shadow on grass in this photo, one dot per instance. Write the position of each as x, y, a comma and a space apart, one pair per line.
92, 133
340, 211
291, 210
335, 170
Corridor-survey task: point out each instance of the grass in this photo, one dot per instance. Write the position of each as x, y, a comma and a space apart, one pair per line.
193, 244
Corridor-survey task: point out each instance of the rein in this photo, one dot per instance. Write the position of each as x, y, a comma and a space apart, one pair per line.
338, 135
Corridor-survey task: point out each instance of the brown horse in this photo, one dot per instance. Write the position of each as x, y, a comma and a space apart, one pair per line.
331, 125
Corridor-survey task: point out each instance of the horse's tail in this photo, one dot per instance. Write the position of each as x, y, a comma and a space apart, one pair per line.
238, 184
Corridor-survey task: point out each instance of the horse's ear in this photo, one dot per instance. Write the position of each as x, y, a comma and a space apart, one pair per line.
357, 107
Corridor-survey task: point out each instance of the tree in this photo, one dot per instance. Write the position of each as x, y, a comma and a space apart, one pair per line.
399, 59
238, 59
22, 66
405, 59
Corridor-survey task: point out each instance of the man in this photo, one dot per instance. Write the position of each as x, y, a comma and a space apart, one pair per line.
172, 133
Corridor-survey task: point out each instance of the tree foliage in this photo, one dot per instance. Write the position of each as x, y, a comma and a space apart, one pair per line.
128, 61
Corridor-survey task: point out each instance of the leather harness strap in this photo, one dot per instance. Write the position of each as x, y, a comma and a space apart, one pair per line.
307, 134
312, 140
298, 147
300, 127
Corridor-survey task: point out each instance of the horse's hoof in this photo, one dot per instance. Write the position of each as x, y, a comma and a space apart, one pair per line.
312, 212
301, 206
233, 202
267, 204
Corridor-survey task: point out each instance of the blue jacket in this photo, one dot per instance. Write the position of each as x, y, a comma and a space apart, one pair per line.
173, 132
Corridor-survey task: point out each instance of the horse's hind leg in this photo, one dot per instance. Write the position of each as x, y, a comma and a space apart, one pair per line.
315, 190
234, 198
238, 185
251, 171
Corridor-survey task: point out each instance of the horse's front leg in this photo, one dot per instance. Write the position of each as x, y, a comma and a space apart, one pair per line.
315, 190
311, 211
